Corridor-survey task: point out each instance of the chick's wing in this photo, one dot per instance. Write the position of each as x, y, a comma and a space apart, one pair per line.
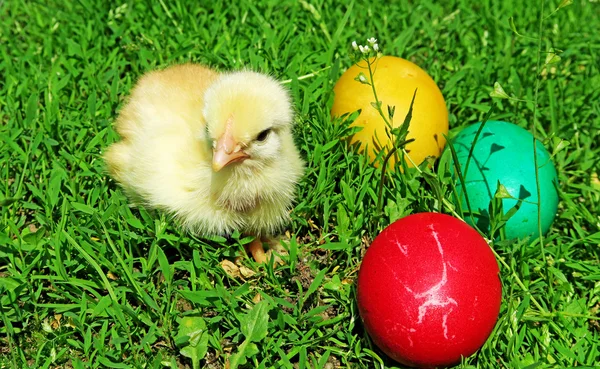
161, 126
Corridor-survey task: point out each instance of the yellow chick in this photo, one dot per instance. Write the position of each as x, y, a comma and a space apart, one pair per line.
215, 150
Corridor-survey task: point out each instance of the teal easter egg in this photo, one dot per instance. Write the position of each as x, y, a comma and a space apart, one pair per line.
504, 153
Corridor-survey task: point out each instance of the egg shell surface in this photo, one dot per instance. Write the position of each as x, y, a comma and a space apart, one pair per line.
428, 290
504, 153
395, 81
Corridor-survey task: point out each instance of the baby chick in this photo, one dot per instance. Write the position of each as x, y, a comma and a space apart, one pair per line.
215, 150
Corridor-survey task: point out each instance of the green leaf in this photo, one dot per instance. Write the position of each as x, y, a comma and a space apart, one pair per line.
53, 190
434, 183
9, 284
316, 283
564, 351
511, 22
110, 364
502, 192
91, 108
240, 357
499, 92
564, 3
251, 349
135, 222
217, 239
82, 208
561, 145
552, 58
335, 246
254, 324
35, 237
362, 79
391, 111
102, 306
5, 139
193, 330
165, 268
559, 275
9, 200
335, 284
205, 298
376, 105
31, 110
77, 364
401, 136
73, 48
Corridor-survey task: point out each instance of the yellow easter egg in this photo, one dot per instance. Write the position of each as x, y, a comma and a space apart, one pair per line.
395, 81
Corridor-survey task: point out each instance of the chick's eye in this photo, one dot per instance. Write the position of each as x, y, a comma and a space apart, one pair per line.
263, 135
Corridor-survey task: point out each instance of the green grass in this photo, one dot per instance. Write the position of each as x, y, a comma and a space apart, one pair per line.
88, 282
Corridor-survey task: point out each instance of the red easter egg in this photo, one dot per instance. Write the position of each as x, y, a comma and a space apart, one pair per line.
429, 291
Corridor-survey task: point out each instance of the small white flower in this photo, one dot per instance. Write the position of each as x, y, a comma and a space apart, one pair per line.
363, 49
354, 45
372, 40
376, 47
362, 78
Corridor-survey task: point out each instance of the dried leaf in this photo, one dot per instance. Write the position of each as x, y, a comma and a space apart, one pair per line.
230, 268
246, 272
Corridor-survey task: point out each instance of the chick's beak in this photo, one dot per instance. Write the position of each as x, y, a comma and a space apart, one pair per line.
227, 151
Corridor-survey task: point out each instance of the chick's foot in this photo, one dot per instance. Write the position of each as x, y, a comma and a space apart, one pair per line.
257, 250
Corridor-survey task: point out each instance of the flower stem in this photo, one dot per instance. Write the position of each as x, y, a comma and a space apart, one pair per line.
384, 169
534, 129
377, 102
